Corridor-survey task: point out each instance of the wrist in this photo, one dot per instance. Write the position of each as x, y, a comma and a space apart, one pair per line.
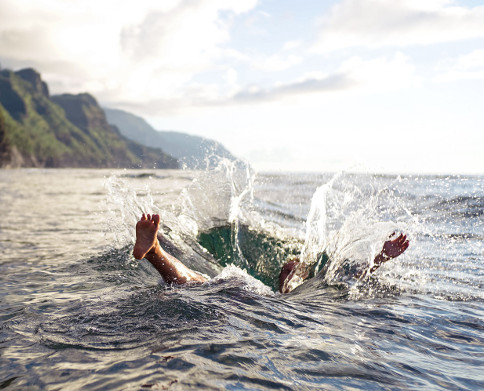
382, 257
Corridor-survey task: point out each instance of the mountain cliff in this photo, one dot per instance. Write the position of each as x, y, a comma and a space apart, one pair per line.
37, 130
192, 151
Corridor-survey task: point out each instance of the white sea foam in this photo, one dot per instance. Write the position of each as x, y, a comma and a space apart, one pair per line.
246, 281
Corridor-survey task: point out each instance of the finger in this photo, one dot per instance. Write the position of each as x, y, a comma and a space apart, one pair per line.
156, 219
404, 238
392, 235
403, 247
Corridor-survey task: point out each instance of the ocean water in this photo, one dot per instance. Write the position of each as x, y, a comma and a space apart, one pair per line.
79, 313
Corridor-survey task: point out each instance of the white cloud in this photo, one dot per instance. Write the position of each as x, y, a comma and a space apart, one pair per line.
355, 74
382, 73
305, 86
231, 76
378, 23
472, 61
468, 66
291, 45
126, 51
276, 63
147, 53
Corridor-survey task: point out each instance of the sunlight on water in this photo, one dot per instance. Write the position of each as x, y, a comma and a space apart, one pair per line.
448, 229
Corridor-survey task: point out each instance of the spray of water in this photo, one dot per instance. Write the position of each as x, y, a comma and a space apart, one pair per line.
316, 224
123, 206
349, 219
217, 197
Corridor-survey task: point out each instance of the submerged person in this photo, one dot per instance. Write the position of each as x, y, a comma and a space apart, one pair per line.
292, 273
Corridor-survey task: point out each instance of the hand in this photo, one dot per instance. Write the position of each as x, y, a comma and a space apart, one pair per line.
393, 248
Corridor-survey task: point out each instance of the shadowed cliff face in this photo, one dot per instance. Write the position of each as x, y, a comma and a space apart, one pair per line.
3, 142
11, 100
62, 131
34, 79
83, 111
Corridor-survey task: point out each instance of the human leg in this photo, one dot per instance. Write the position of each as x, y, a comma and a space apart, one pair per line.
147, 246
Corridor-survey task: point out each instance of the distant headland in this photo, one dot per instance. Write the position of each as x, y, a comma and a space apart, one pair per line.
40, 130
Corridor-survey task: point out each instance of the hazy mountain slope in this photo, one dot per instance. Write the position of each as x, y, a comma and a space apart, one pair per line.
192, 151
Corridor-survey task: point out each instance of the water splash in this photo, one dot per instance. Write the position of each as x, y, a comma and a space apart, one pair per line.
316, 229
245, 281
217, 197
352, 215
349, 219
123, 207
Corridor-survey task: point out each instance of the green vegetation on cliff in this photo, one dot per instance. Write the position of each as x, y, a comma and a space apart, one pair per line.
37, 130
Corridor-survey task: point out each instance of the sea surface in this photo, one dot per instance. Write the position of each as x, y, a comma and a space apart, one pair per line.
78, 312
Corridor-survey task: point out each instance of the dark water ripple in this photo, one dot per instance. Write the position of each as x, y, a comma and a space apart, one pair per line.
227, 337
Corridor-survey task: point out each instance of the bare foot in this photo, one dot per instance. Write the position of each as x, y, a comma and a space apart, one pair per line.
391, 249
146, 230
147, 246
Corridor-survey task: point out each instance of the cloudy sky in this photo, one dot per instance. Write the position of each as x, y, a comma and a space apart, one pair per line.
308, 85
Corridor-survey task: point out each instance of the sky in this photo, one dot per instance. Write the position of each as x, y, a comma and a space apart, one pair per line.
390, 86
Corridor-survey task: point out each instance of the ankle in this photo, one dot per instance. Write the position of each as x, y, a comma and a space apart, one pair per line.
155, 250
